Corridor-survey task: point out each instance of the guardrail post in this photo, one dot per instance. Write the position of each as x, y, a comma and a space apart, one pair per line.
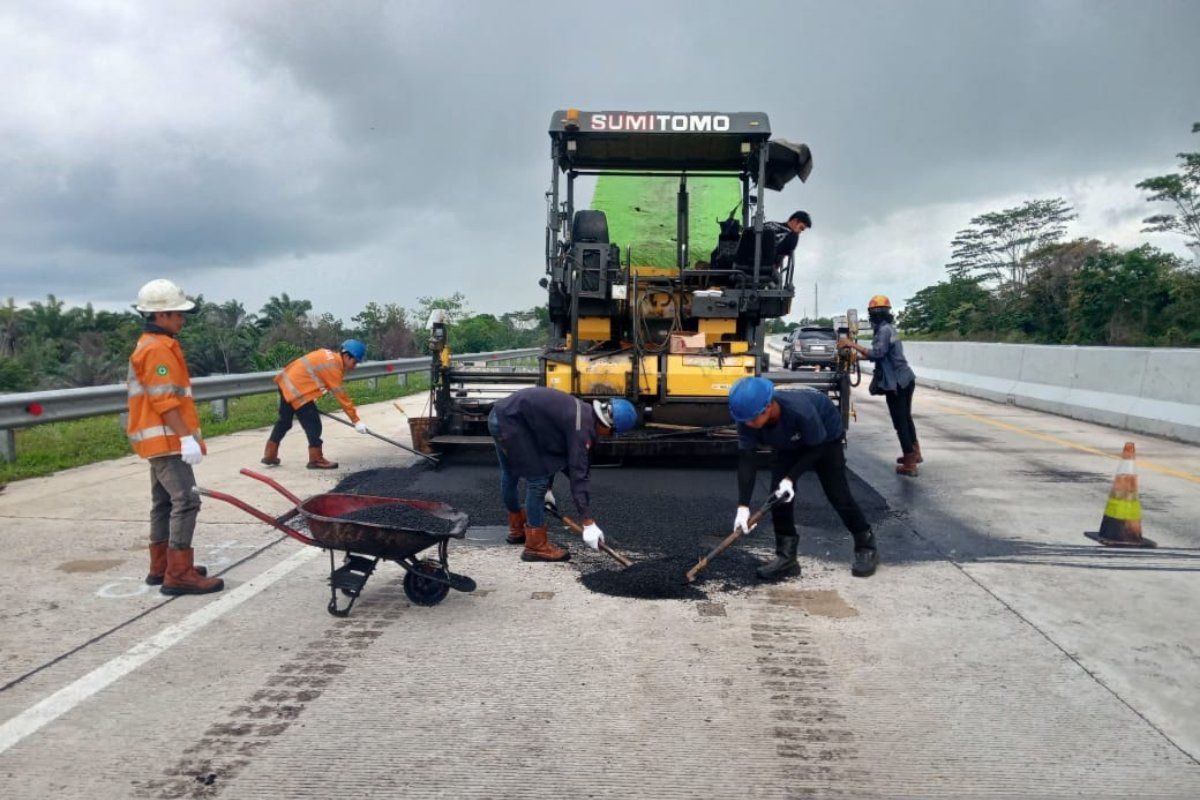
220, 409
8, 446
372, 383
402, 379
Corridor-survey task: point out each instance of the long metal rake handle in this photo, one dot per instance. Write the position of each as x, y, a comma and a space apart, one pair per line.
426, 456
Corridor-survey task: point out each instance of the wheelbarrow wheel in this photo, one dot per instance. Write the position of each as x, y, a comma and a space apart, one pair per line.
425, 591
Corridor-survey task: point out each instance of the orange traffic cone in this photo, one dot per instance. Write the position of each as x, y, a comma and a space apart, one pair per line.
1122, 523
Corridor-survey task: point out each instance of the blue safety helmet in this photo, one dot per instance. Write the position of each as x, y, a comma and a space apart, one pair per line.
355, 349
617, 413
750, 397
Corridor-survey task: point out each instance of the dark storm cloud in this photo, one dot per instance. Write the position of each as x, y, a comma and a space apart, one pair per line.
250, 149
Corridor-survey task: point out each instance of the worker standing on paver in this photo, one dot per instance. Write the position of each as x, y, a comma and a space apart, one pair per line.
538, 432
304, 381
803, 429
165, 429
893, 378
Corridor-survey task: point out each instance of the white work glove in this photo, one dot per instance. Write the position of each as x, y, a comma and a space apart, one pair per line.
550, 502
741, 522
190, 450
785, 492
593, 537
360, 426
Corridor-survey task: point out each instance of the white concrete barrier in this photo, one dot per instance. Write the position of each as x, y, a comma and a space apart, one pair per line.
1141, 389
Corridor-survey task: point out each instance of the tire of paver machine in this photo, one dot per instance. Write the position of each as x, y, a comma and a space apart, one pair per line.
425, 591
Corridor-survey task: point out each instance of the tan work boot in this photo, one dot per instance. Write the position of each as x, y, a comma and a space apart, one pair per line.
538, 548
158, 564
316, 460
908, 466
516, 527
271, 454
182, 578
916, 452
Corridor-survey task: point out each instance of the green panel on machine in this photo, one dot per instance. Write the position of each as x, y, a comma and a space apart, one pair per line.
641, 215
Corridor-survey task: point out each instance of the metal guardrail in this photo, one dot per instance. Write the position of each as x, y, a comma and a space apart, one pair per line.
25, 409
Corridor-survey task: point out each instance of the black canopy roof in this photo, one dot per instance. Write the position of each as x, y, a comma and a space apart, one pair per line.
675, 141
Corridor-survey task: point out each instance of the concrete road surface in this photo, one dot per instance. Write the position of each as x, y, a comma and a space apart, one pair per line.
996, 653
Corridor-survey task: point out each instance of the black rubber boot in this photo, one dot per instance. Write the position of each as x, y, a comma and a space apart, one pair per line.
784, 565
866, 557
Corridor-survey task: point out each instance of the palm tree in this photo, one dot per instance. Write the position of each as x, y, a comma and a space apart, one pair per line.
283, 310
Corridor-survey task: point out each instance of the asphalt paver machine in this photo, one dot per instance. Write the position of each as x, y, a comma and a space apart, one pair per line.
674, 338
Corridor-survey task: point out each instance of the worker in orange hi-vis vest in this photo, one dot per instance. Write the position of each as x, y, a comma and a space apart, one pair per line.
165, 429
301, 384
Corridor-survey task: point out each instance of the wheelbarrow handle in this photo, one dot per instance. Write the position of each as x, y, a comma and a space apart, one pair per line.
380, 437
296, 501
725, 543
577, 529
254, 512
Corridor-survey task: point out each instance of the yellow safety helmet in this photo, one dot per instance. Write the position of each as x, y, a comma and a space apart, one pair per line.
879, 301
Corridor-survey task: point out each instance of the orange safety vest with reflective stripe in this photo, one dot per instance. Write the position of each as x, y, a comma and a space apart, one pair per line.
158, 381
312, 375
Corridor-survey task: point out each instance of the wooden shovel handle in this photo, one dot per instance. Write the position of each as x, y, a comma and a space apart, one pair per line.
725, 543
577, 529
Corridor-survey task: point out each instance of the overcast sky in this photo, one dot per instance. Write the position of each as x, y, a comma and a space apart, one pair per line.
344, 152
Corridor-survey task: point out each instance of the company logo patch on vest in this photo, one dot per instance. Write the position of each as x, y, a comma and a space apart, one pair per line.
661, 123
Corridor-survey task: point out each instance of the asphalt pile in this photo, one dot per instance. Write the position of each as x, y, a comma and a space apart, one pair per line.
399, 515
662, 518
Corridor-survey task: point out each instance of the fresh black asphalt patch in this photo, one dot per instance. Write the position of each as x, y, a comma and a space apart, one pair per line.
662, 518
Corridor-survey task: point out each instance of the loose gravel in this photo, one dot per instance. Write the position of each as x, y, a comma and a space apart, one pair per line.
662, 518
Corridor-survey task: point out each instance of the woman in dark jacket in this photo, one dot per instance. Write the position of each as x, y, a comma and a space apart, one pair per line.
896, 379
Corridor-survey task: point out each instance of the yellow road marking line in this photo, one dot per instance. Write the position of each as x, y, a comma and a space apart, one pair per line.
1045, 437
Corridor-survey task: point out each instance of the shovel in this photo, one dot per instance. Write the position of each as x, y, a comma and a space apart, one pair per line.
577, 529
431, 459
725, 543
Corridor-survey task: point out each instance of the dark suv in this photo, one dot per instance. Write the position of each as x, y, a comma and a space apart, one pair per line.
810, 347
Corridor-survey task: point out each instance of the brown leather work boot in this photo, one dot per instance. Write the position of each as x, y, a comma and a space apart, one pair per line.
916, 452
316, 460
158, 564
908, 466
271, 454
538, 548
182, 578
516, 527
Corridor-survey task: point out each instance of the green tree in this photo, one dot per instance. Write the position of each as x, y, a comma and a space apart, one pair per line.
1040, 312
283, 310
1182, 190
1118, 298
455, 307
385, 330
959, 306
995, 245
479, 334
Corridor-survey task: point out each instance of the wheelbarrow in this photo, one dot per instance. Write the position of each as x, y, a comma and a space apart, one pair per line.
364, 544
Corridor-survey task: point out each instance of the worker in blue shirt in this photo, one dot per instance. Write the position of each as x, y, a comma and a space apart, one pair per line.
538, 433
803, 430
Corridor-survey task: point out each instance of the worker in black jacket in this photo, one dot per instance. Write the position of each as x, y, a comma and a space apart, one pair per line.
539, 432
804, 431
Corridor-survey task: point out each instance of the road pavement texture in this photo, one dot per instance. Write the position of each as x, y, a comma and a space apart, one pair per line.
662, 519
997, 652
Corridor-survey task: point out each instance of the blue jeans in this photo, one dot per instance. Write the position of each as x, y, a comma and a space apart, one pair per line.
535, 488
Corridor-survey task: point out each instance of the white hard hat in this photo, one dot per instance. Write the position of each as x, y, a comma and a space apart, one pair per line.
162, 295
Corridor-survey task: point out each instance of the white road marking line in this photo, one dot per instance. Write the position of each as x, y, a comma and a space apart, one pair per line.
67, 698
